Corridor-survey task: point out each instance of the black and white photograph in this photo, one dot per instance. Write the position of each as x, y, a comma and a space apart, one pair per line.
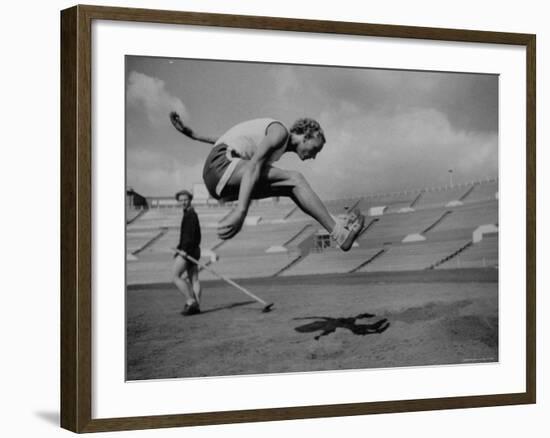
285, 218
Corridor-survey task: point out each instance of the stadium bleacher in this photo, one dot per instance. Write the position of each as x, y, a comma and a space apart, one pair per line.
482, 254
270, 211
285, 229
470, 216
259, 238
394, 227
171, 217
393, 201
157, 218
331, 261
157, 267
442, 196
413, 256
211, 215
137, 239
335, 207
170, 239
250, 266
483, 192
133, 214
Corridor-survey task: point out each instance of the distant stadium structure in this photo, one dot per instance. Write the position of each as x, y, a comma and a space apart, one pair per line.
135, 200
136, 205
450, 227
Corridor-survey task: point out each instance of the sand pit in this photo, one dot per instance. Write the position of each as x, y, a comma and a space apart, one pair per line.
319, 323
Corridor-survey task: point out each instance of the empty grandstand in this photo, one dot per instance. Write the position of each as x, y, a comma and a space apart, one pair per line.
259, 239
136, 205
483, 191
413, 256
393, 202
442, 196
331, 261
395, 227
470, 216
335, 207
412, 230
481, 254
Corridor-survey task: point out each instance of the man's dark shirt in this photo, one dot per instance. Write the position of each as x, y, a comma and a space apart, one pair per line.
190, 232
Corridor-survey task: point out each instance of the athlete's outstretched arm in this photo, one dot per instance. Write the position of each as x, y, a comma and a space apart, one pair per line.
187, 131
274, 139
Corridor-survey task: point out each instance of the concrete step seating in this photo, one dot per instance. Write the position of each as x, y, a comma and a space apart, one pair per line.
483, 192
157, 218
335, 207
331, 261
410, 257
245, 255
394, 227
470, 216
270, 211
258, 238
248, 266
212, 215
441, 196
136, 239
171, 217
152, 268
133, 214
157, 267
393, 201
479, 255
170, 240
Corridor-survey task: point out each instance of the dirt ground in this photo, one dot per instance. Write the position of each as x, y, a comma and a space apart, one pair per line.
334, 322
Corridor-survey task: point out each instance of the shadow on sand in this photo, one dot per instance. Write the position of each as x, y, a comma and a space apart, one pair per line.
328, 325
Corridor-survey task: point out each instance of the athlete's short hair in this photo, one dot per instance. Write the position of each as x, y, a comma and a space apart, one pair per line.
309, 128
184, 193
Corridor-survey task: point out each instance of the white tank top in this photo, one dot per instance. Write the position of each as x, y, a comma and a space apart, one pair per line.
243, 139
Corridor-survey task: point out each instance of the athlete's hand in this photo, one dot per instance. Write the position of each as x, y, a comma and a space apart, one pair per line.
232, 224
178, 124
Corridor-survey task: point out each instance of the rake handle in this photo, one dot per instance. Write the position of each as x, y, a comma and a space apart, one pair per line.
224, 278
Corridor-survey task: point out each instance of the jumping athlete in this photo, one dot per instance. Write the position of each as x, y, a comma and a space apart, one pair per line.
185, 274
240, 168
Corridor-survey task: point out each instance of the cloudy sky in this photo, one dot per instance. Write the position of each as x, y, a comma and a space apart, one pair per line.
387, 130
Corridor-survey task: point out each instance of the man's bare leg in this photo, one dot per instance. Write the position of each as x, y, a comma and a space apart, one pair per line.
180, 279
193, 275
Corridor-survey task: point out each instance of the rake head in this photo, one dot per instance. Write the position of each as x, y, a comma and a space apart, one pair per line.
267, 308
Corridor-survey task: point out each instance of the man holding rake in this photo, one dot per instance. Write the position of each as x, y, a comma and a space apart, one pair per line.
185, 274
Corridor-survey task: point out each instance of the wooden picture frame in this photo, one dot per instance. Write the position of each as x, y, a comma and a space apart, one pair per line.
76, 218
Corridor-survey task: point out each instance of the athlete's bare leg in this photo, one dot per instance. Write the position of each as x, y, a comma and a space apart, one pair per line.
292, 184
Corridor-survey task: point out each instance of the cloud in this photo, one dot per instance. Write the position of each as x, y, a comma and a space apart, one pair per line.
152, 172
149, 95
470, 101
386, 130
390, 130
412, 148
